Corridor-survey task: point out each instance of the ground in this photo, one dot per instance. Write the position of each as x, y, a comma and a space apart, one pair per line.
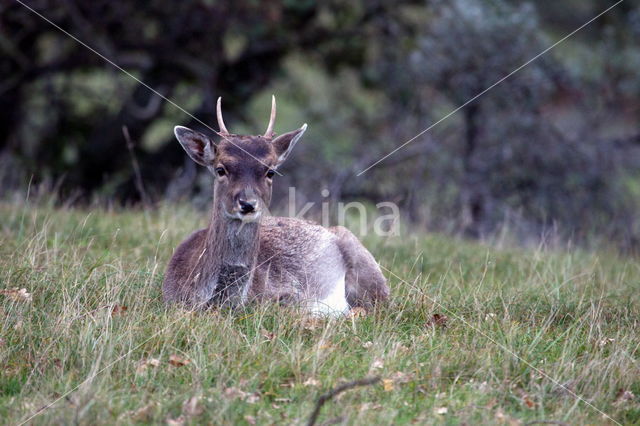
473, 334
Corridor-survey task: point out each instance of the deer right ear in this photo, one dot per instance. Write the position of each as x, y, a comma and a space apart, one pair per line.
284, 143
200, 148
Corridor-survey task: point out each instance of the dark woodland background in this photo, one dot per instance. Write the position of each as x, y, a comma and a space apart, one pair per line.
555, 147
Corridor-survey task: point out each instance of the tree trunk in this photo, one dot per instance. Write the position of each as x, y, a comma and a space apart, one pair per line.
473, 199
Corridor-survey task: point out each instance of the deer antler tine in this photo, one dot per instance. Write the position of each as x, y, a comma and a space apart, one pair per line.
223, 128
272, 119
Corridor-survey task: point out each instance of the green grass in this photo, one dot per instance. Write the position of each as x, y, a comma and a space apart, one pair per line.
571, 317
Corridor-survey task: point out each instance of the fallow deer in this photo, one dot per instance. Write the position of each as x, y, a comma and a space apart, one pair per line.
245, 255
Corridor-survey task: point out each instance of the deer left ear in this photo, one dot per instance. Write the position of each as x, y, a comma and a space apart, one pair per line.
284, 143
200, 148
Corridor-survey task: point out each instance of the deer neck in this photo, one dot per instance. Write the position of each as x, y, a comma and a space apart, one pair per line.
229, 256
232, 241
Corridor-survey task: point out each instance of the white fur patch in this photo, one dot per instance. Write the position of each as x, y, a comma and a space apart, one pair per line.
334, 304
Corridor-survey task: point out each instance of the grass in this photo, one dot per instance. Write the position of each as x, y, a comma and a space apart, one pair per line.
572, 318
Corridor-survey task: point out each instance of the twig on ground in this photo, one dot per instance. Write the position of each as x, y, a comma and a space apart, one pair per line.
337, 390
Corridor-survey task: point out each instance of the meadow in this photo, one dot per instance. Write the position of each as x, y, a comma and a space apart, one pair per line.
474, 334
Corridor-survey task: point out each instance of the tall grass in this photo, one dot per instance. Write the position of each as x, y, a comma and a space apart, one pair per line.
96, 338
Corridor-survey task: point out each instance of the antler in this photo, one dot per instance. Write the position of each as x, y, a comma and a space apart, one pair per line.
272, 119
223, 128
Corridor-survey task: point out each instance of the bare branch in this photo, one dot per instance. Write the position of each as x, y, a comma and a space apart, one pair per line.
136, 167
337, 390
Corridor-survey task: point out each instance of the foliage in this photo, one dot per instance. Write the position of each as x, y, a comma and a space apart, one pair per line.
554, 146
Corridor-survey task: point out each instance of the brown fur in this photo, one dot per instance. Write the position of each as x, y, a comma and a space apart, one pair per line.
365, 283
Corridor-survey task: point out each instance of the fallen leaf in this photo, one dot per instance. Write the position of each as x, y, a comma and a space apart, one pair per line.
604, 342
57, 362
312, 323
178, 361
624, 395
232, 392
483, 386
491, 403
437, 320
118, 310
326, 345
145, 363
377, 364
178, 421
566, 388
192, 407
528, 402
370, 406
442, 410
503, 418
19, 295
144, 413
524, 397
250, 419
311, 382
357, 312
252, 398
400, 377
387, 385
268, 335
399, 347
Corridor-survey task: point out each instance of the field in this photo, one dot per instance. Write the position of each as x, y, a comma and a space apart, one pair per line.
474, 334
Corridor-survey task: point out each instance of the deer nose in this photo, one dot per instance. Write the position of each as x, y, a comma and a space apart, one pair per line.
247, 206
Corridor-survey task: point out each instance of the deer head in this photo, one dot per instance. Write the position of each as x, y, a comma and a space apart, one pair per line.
243, 166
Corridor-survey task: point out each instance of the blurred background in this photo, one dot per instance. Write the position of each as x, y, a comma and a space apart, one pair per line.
553, 149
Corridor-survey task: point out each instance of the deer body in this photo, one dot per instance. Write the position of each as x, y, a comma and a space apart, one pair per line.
243, 256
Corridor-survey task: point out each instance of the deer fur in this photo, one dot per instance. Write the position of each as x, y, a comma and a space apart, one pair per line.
244, 255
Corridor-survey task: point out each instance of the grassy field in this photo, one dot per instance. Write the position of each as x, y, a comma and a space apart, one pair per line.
473, 334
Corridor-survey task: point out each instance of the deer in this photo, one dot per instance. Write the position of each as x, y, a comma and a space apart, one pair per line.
246, 255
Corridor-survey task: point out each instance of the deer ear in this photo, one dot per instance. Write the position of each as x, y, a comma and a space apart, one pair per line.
200, 148
284, 143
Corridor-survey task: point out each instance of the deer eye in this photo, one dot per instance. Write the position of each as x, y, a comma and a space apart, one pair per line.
270, 173
220, 171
